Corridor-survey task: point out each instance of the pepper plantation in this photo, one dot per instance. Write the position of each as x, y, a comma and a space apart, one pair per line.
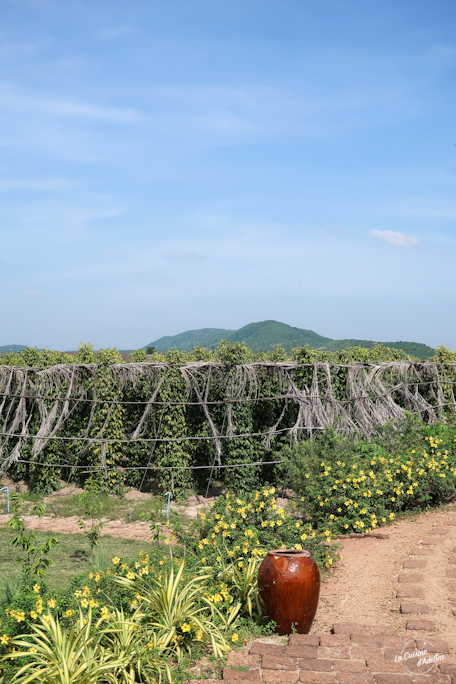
358, 438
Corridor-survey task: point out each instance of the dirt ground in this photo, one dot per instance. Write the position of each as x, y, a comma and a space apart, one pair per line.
363, 586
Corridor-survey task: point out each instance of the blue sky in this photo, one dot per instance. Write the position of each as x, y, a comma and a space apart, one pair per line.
174, 165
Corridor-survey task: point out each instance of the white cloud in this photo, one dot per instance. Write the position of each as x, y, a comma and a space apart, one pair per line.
395, 238
34, 184
183, 255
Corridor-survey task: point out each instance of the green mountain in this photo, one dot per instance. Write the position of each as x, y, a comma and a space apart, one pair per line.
265, 335
186, 341
12, 348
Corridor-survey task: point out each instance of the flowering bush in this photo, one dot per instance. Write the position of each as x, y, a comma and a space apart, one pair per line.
348, 487
243, 528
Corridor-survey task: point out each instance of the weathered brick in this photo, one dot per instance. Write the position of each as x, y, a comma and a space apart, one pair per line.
421, 551
379, 664
392, 653
433, 541
451, 573
356, 678
301, 651
447, 668
392, 679
247, 676
242, 660
409, 578
421, 625
308, 677
414, 608
334, 652
452, 560
410, 592
274, 663
414, 564
274, 677
433, 645
363, 652
452, 586
349, 666
367, 640
304, 640
379, 630
348, 628
266, 649
394, 641
334, 640
315, 664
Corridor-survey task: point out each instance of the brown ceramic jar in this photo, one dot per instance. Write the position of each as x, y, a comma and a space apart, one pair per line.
289, 582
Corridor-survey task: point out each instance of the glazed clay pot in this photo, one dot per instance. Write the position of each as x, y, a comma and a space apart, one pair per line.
289, 582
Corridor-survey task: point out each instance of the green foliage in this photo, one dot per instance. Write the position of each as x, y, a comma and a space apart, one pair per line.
267, 335
107, 419
93, 507
84, 653
348, 484
177, 610
35, 562
239, 528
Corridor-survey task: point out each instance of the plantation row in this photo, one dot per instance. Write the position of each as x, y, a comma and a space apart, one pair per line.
206, 408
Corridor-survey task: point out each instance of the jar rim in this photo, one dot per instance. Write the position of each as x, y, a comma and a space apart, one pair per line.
294, 553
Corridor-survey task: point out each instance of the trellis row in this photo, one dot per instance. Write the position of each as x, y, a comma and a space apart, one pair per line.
350, 397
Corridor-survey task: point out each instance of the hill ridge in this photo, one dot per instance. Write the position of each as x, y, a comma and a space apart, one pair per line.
265, 335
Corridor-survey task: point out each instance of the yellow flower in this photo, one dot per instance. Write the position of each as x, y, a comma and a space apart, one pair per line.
52, 603
84, 603
69, 613
32, 650
130, 575
234, 638
33, 615
4, 639
186, 627
36, 588
116, 560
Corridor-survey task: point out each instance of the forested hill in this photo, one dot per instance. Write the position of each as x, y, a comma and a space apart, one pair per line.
265, 335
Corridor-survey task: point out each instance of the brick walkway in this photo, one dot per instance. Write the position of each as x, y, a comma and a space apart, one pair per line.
352, 654
365, 654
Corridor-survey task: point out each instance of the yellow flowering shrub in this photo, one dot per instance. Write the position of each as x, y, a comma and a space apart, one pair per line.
355, 486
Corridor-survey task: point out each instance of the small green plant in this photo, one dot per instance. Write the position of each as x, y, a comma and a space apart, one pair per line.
35, 561
77, 655
178, 610
93, 509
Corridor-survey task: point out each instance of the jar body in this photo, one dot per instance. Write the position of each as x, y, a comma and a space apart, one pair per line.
289, 583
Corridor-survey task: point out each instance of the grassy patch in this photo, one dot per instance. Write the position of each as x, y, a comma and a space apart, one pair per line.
70, 558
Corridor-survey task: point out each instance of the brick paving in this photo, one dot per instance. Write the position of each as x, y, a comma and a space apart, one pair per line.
353, 653
350, 654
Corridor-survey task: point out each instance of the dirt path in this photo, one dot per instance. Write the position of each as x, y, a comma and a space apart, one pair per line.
139, 531
377, 580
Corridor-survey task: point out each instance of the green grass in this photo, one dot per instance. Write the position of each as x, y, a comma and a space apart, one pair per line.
70, 558
111, 507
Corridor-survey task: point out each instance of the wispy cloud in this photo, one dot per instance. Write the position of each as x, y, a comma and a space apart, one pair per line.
395, 238
34, 184
183, 255
24, 101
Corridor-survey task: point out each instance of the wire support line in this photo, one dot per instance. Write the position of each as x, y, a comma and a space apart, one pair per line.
96, 469
222, 402
109, 440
